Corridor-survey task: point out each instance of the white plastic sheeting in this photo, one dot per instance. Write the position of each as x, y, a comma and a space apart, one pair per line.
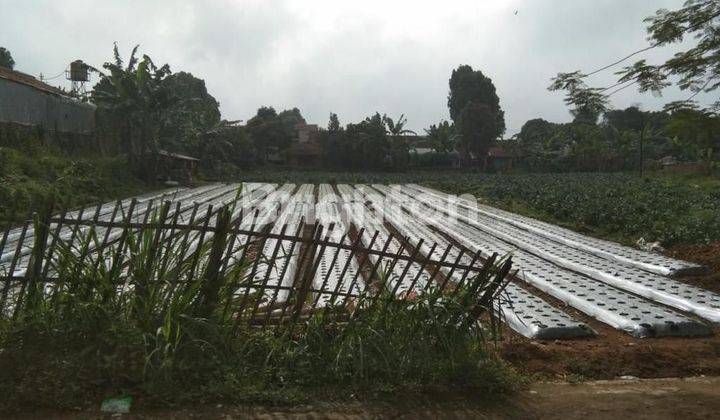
649, 261
652, 286
523, 312
337, 270
415, 278
278, 259
585, 273
215, 194
625, 311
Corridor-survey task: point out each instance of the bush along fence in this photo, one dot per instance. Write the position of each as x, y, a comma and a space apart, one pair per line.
154, 262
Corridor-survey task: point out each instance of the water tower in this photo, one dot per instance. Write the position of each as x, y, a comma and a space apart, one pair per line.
79, 74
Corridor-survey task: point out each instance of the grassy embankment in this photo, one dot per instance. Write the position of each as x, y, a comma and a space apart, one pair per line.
32, 174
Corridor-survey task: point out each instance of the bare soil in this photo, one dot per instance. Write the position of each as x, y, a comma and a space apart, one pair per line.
708, 255
614, 353
690, 398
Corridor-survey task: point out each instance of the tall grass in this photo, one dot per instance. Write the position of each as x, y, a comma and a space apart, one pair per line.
158, 316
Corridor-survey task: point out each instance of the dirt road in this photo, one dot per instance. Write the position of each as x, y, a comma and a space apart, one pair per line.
690, 398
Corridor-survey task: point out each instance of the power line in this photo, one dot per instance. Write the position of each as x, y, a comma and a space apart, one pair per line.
692, 28
699, 90
619, 89
53, 77
622, 59
613, 86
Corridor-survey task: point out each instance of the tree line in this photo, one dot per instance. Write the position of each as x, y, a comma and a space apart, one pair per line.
615, 141
144, 108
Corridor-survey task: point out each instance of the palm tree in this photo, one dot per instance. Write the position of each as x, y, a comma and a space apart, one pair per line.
134, 97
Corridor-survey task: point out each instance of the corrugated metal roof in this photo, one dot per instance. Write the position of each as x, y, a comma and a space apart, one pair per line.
26, 79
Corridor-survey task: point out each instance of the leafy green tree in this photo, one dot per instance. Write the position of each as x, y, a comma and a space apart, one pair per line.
399, 144
479, 127
135, 98
193, 111
290, 118
337, 150
699, 128
534, 133
225, 143
585, 116
368, 142
397, 128
484, 120
586, 103
442, 137
697, 67
334, 123
6, 59
632, 118
267, 132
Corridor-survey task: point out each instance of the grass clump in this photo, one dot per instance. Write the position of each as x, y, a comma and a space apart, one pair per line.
155, 318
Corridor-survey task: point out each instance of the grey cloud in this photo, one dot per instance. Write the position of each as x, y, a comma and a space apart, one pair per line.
350, 58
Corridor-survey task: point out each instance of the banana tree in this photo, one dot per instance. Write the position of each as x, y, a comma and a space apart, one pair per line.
399, 147
133, 96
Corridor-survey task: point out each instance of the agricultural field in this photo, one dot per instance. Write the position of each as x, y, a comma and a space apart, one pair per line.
569, 305
622, 207
630, 290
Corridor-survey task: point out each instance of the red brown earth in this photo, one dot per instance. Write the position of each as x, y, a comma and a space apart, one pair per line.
614, 353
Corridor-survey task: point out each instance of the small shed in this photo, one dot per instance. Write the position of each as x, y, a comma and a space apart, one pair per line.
176, 167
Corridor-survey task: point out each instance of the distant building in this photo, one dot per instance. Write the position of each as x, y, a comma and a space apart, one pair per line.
419, 144
307, 133
175, 167
26, 101
305, 149
501, 159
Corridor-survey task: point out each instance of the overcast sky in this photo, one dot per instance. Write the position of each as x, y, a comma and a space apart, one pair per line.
348, 57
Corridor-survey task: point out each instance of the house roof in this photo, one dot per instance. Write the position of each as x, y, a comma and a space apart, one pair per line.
499, 152
177, 156
28, 80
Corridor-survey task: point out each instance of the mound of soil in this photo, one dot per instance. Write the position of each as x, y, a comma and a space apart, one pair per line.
613, 353
707, 255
